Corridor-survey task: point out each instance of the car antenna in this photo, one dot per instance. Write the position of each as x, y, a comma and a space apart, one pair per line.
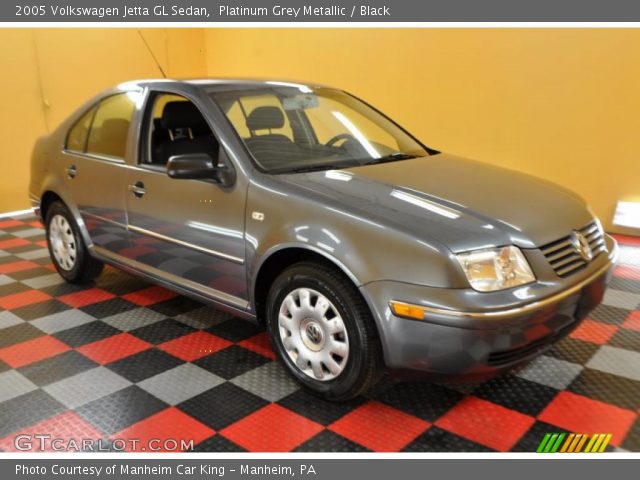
151, 53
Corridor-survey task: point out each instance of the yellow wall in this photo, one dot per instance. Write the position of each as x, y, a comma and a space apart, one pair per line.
558, 103
48, 73
563, 104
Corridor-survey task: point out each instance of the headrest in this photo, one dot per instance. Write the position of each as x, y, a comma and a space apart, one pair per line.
263, 118
182, 115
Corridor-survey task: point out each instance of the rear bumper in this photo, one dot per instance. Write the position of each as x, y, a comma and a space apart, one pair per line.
470, 342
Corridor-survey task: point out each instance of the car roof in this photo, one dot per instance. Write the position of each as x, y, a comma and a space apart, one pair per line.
211, 83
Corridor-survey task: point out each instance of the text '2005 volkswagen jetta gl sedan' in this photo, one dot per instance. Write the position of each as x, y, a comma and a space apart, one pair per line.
305, 208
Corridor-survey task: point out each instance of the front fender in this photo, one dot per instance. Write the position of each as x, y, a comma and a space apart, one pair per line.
278, 218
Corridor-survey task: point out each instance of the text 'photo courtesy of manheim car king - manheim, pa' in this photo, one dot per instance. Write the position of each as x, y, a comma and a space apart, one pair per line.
304, 208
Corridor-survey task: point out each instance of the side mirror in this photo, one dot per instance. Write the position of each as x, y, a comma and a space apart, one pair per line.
200, 166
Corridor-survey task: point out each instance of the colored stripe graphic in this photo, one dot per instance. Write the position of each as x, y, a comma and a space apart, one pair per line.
567, 443
605, 442
574, 443
543, 443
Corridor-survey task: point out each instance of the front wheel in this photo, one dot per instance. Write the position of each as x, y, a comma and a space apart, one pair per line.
323, 331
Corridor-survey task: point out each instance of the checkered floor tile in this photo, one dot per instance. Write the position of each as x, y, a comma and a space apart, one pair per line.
123, 359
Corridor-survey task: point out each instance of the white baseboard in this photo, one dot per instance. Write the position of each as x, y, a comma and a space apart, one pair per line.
17, 213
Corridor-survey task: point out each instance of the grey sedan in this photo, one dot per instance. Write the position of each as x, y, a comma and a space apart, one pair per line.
301, 207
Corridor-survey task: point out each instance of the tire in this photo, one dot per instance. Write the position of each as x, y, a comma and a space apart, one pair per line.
72, 260
349, 337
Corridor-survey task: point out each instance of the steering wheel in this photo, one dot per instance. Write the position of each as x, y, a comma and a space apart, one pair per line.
337, 138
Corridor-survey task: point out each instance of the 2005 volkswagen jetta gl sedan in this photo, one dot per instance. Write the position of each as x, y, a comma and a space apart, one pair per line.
305, 208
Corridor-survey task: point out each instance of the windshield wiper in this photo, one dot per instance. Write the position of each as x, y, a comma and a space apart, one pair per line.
391, 158
316, 168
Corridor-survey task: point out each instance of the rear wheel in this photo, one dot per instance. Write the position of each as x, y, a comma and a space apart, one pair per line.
66, 247
323, 331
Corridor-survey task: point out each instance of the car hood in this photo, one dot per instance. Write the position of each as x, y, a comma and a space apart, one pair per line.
461, 203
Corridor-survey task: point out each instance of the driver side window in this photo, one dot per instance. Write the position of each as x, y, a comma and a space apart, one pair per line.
175, 126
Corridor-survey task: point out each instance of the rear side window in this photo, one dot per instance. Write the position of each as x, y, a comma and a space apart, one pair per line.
110, 127
77, 138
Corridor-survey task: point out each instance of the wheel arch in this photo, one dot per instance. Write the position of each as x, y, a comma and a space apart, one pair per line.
48, 198
278, 259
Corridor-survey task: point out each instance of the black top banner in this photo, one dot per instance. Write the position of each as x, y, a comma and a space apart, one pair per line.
216, 11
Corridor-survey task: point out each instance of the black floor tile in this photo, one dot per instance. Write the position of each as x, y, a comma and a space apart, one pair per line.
218, 443
608, 388
57, 368
162, 331
517, 394
121, 409
437, 440
231, 362
27, 410
316, 409
144, 365
87, 333
221, 406
328, 441
235, 329
425, 400
18, 334
40, 309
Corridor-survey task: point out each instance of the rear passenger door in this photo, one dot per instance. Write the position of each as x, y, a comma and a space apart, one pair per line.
189, 232
94, 168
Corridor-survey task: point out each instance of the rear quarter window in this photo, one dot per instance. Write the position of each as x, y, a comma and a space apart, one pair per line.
110, 127
77, 138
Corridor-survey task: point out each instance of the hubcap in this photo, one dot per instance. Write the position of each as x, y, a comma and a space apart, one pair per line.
63, 243
313, 334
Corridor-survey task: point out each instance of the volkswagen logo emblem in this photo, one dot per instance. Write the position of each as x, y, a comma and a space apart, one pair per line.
314, 333
581, 246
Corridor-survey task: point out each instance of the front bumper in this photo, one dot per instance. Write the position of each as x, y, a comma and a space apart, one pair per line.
467, 334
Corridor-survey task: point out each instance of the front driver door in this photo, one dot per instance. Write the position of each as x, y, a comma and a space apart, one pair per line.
189, 232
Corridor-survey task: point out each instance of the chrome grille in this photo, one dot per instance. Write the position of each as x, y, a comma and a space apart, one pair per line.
563, 256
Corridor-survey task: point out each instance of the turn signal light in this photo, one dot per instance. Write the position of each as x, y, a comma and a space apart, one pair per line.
408, 311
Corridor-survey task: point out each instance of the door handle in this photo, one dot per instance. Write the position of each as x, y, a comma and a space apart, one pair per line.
71, 172
137, 189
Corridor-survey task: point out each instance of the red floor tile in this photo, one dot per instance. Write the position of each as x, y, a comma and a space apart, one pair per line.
12, 243
627, 240
86, 297
194, 346
10, 223
149, 296
68, 428
259, 344
594, 332
379, 427
580, 414
42, 243
36, 224
23, 299
32, 351
113, 348
168, 430
272, 429
627, 271
632, 322
17, 266
485, 422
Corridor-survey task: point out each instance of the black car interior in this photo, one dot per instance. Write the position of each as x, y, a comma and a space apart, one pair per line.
180, 130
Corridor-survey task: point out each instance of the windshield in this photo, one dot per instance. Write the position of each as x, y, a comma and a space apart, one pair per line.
297, 128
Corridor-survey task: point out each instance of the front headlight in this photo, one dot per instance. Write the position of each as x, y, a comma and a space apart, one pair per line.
496, 269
